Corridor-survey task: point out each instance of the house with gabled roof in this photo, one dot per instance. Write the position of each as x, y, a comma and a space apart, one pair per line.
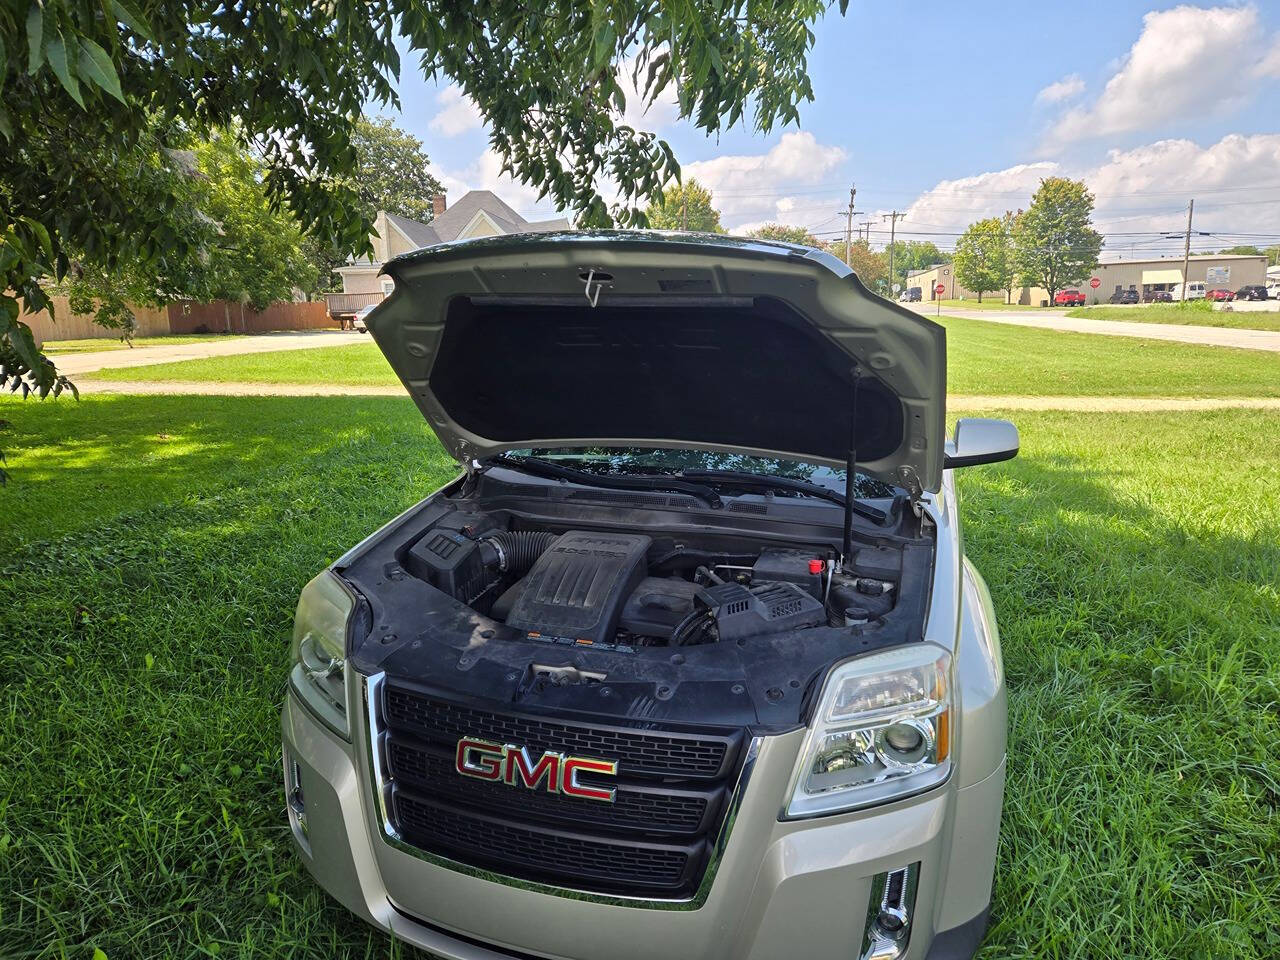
480, 213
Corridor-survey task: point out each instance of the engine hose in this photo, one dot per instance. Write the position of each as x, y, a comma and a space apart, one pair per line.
516, 551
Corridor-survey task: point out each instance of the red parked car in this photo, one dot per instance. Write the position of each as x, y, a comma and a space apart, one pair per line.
1068, 298
1220, 294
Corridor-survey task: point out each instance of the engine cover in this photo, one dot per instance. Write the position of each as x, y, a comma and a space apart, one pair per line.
577, 588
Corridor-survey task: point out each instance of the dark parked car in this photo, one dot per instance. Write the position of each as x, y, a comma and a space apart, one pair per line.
1124, 296
1069, 298
1252, 291
1160, 296
1221, 295
914, 294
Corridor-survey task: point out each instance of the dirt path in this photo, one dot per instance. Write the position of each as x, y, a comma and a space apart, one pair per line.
1048, 320
959, 402
73, 364
241, 389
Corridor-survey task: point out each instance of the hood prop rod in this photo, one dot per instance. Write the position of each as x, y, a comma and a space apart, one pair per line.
850, 475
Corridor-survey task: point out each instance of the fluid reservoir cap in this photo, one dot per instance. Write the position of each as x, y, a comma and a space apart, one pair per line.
816, 565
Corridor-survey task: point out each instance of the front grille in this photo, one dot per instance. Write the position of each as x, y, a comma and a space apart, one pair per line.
662, 810
638, 752
671, 793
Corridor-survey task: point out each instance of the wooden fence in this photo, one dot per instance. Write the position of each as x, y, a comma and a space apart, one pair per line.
182, 317
222, 316
65, 325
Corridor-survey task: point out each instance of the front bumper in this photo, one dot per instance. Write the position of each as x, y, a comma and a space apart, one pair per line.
780, 885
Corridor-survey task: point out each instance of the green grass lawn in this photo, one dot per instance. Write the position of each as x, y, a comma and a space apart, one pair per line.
983, 359
151, 550
93, 345
1197, 312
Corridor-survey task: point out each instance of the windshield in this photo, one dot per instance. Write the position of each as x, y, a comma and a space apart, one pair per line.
633, 460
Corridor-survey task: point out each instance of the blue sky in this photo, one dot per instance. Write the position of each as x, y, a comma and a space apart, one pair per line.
954, 111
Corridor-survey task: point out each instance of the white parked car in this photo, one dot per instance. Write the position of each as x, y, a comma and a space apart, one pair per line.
358, 324
1195, 291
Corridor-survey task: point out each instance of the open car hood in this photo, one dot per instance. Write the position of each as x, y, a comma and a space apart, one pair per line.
632, 339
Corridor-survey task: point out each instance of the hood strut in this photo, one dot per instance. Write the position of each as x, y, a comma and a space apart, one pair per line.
850, 474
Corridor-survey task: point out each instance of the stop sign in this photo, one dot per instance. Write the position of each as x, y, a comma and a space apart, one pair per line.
1095, 282
940, 288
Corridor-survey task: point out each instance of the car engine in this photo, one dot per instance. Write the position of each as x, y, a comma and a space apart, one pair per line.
627, 590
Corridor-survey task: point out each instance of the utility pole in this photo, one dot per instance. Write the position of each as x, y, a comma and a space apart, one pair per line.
1186, 251
848, 226
893, 219
684, 210
866, 225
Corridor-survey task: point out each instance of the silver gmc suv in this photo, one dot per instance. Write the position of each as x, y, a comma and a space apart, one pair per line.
688, 661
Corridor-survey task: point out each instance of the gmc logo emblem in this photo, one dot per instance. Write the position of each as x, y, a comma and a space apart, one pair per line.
513, 766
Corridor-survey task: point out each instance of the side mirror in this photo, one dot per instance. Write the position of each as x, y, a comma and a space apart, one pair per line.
979, 441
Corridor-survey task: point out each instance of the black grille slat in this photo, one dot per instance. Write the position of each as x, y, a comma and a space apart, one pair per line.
639, 752
653, 840
551, 854
635, 809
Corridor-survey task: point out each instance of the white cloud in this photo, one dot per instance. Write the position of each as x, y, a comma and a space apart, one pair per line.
1235, 182
777, 185
1187, 62
457, 114
1269, 66
1059, 90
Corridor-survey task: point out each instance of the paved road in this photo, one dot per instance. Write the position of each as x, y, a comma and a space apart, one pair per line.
954, 402
1050, 320
73, 364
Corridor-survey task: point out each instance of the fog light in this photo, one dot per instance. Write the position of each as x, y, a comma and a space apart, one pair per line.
893, 899
296, 802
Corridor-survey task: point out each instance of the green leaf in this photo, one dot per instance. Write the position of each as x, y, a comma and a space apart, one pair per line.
98, 954
41, 234
57, 53
606, 37
96, 65
6, 127
35, 38
132, 19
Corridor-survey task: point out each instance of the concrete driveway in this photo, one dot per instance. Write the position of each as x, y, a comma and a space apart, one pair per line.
1050, 320
73, 364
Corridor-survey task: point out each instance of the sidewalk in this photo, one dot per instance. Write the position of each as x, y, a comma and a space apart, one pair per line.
74, 364
954, 402
1048, 320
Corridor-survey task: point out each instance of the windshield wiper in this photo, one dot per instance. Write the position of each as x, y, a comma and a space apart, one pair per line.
555, 471
758, 481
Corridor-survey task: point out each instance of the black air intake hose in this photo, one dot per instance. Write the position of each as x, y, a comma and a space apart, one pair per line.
515, 551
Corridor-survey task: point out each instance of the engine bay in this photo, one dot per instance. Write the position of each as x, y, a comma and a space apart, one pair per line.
684, 614
626, 590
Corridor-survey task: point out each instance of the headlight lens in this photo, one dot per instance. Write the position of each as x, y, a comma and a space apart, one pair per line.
318, 673
882, 730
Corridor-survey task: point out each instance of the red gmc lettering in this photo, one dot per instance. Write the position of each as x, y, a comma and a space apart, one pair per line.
479, 758
518, 765
570, 787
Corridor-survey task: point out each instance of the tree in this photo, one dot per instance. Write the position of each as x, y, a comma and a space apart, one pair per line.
392, 174
870, 266
259, 255
685, 206
1245, 250
914, 255
1054, 244
392, 171
785, 233
88, 90
983, 262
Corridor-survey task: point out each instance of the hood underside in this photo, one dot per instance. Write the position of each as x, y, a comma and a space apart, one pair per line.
627, 339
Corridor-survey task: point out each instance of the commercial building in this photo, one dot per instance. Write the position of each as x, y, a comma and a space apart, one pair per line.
1146, 277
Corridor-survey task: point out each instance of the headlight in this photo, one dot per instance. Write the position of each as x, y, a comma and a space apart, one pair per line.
318, 673
882, 730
